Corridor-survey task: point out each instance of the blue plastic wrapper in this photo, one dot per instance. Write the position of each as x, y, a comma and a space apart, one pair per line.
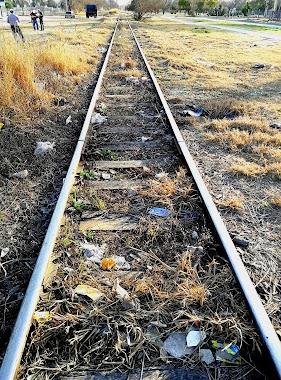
159, 211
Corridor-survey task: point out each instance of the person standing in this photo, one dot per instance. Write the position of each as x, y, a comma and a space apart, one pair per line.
13, 20
41, 22
34, 16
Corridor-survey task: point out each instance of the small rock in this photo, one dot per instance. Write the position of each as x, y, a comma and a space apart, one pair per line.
206, 356
176, 346
241, 242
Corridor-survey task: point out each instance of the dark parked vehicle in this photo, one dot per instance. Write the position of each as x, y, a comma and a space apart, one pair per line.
91, 10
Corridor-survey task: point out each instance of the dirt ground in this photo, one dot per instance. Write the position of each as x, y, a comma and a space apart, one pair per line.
26, 204
218, 73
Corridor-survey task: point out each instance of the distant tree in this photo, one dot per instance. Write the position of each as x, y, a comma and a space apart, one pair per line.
211, 4
185, 5
260, 4
245, 9
141, 7
8, 5
197, 6
51, 4
165, 5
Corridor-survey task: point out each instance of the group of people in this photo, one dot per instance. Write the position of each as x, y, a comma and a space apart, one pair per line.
13, 20
37, 15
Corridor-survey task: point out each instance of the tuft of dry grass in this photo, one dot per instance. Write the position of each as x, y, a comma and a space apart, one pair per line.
276, 201
235, 203
252, 169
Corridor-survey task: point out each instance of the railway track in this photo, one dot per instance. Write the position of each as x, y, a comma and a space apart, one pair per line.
136, 256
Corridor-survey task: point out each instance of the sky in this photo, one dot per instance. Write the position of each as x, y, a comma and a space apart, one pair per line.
123, 2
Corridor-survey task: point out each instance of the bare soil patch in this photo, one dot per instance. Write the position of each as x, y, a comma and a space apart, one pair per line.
235, 80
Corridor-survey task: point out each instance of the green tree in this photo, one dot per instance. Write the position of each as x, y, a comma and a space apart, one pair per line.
8, 5
245, 9
211, 4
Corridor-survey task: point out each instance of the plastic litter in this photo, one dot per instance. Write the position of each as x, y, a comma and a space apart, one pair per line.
144, 79
194, 235
176, 346
88, 291
22, 174
259, 66
42, 316
132, 79
68, 120
206, 356
97, 118
230, 116
4, 252
228, 353
276, 126
121, 292
94, 253
193, 249
241, 242
194, 338
156, 211
161, 175
101, 49
1, 126
43, 147
107, 263
105, 176
144, 139
192, 112
119, 262
208, 64
191, 215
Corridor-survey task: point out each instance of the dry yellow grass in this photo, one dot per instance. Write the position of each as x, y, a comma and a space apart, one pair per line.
235, 203
252, 169
216, 71
276, 201
33, 73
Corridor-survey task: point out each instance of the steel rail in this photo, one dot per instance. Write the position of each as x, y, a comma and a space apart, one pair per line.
18, 338
263, 322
